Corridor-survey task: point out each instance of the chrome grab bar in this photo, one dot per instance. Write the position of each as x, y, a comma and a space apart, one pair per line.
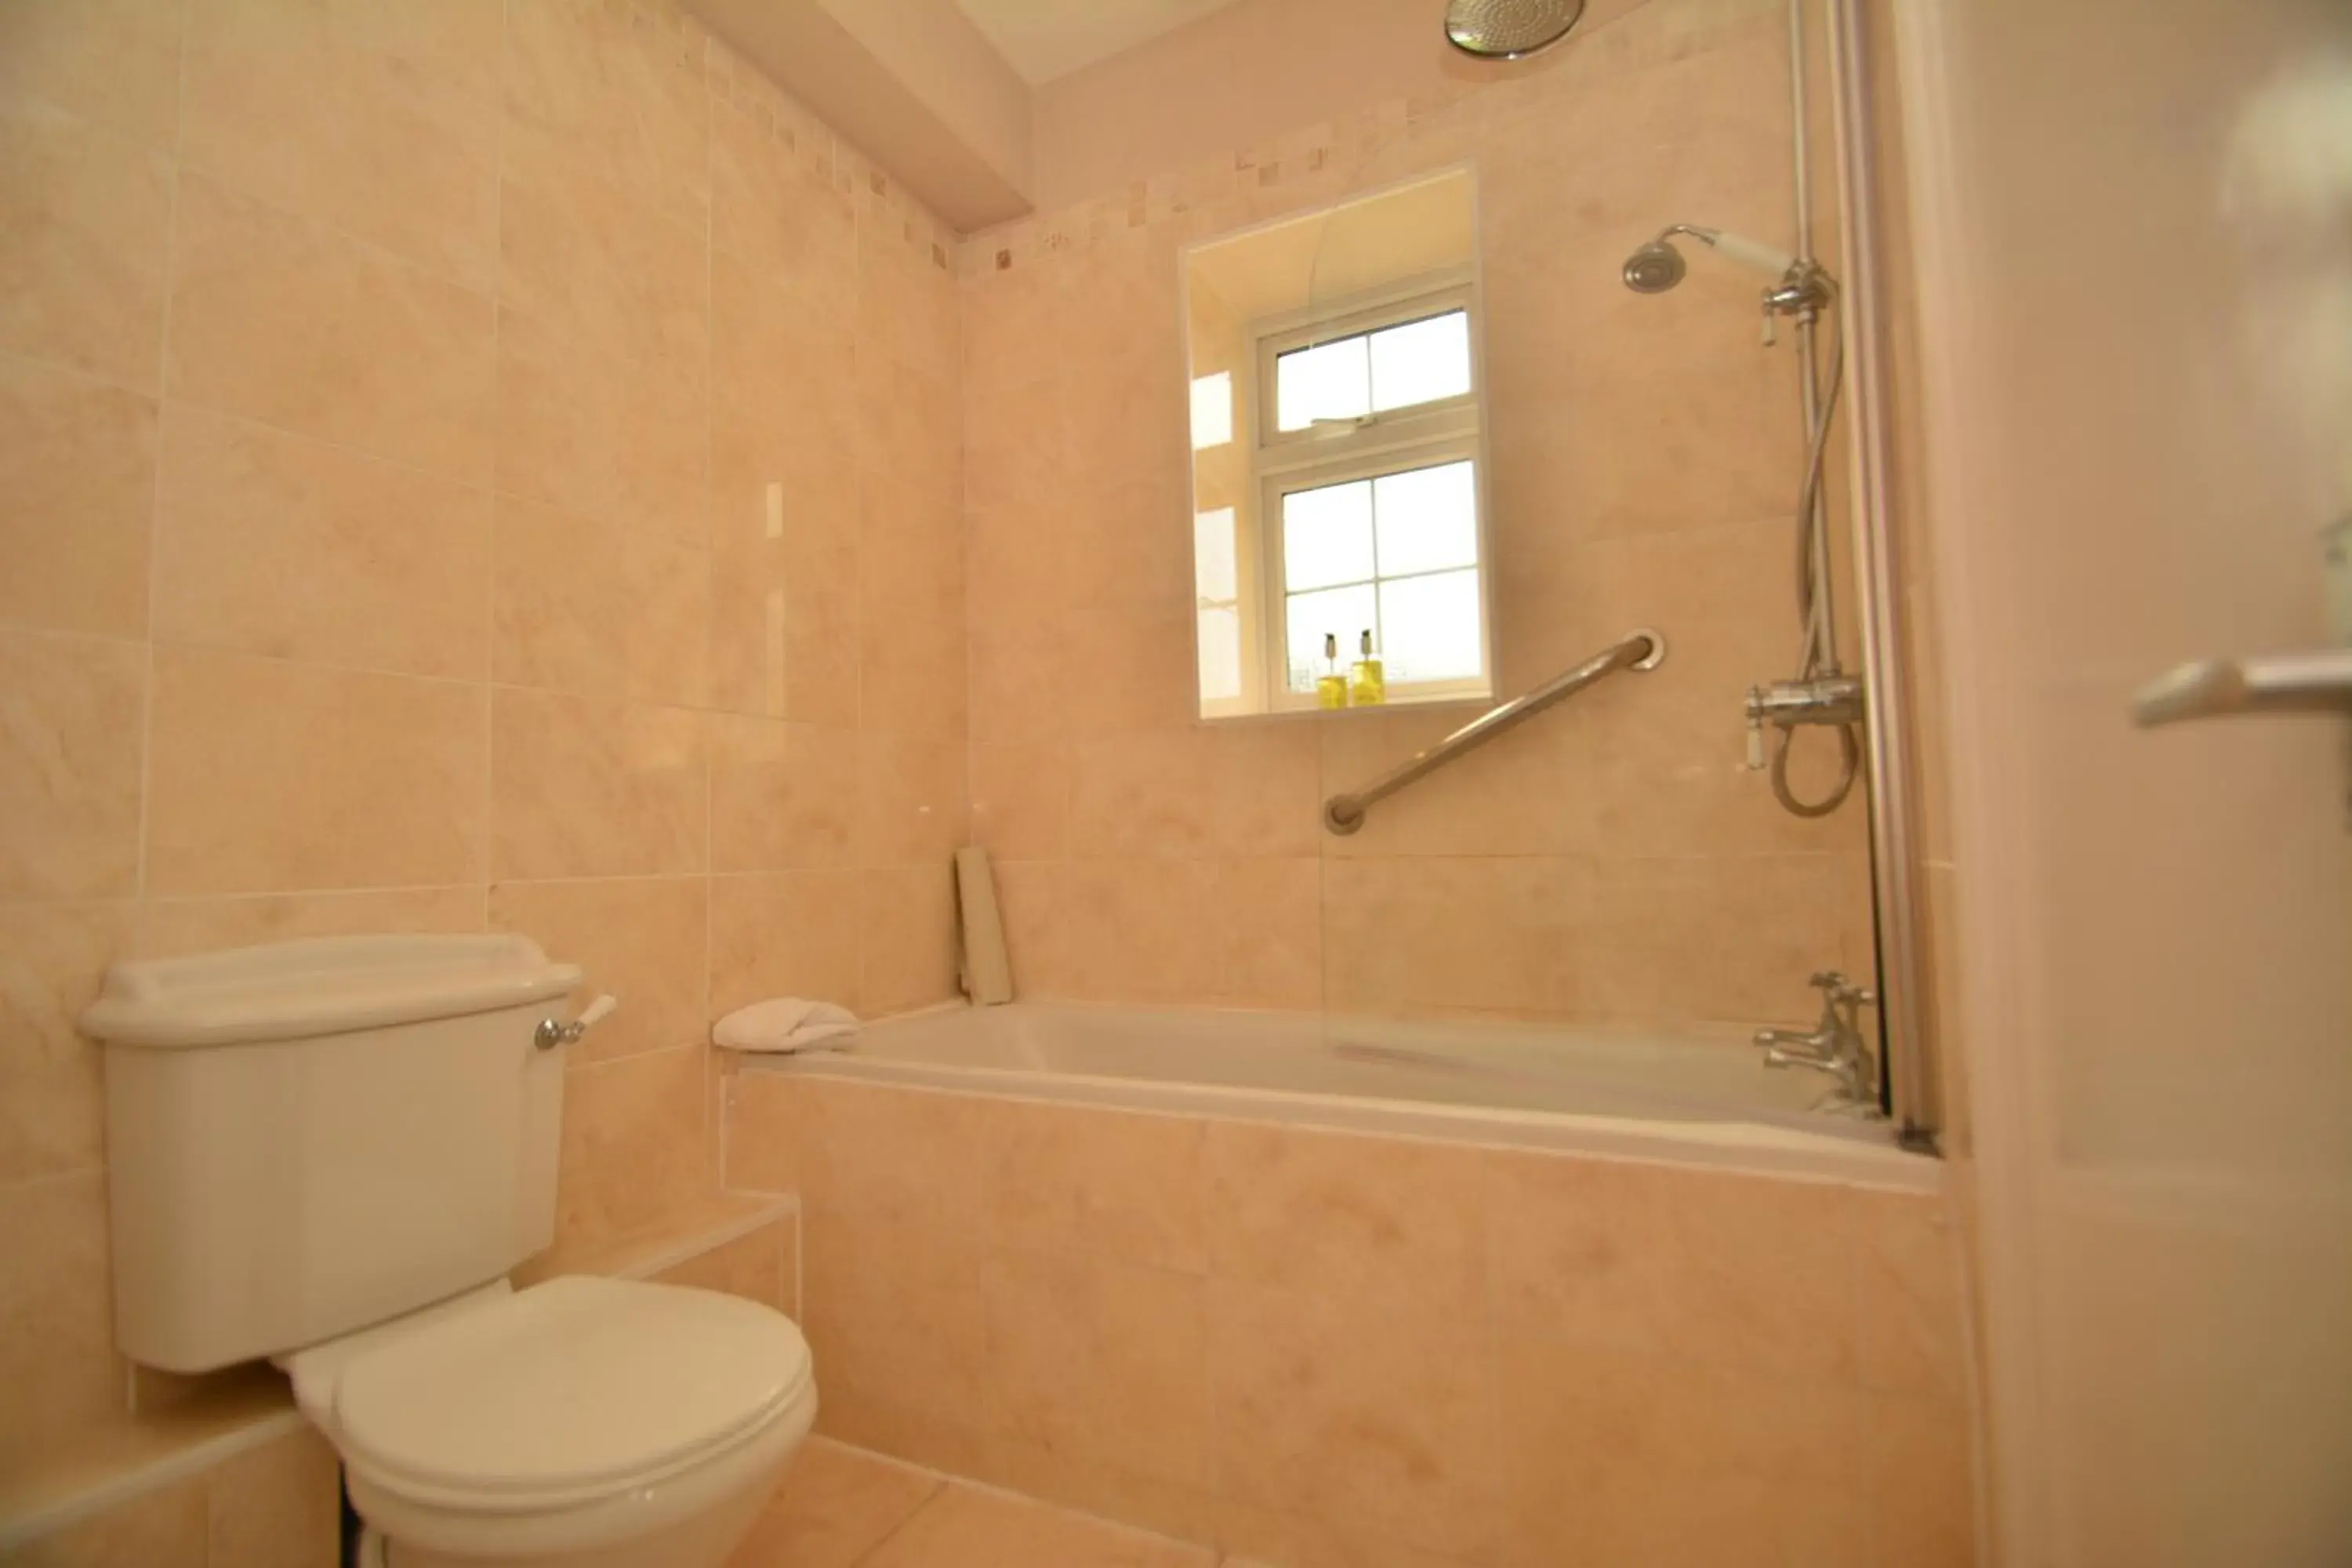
1642, 649
2276, 683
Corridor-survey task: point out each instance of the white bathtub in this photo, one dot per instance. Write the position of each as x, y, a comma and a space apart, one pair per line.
1702, 1102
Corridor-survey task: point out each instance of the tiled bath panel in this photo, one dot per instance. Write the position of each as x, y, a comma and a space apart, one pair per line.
1327, 1350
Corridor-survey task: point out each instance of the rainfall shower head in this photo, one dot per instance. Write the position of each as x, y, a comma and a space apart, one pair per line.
1508, 29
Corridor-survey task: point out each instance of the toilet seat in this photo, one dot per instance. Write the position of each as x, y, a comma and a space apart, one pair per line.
572, 1392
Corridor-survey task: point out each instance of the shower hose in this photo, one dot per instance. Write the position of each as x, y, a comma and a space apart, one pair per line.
1816, 657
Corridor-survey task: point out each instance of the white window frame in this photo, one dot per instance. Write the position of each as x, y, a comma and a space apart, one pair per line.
1425, 434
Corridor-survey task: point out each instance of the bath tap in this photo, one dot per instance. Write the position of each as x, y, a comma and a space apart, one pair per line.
1835, 1046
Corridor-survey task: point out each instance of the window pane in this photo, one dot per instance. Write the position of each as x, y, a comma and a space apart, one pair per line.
1428, 519
1326, 536
1332, 381
1432, 627
1214, 557
1422, 361
1212, 410
1343, 613
1220, 654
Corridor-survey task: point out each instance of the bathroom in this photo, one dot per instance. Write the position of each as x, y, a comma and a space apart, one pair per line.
621, 498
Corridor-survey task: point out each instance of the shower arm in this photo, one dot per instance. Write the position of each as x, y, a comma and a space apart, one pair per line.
1643, 649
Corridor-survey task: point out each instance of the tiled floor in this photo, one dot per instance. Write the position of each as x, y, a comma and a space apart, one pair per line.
840, 1507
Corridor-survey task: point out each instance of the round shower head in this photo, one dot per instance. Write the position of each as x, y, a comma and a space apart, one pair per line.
1654, 269
1508, 29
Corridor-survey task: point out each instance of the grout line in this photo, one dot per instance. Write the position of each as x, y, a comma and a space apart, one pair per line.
488, 828
155, 489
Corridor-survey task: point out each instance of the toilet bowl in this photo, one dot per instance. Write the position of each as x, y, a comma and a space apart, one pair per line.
584, 1422
332, 1153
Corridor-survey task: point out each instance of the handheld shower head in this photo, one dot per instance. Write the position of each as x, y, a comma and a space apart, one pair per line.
1654, 269
1508, 29
1658, 266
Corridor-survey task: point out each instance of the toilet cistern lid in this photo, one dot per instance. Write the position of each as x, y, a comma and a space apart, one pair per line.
571, 1389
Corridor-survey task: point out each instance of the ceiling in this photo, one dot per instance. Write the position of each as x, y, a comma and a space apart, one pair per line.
1042, 39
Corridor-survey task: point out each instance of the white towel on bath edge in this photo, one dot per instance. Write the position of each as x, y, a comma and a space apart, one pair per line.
785, 1024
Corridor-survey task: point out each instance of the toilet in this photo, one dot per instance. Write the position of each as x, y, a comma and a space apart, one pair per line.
330, 1154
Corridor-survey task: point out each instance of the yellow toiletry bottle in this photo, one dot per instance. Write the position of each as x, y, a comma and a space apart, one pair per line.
1367, 686
1331, 687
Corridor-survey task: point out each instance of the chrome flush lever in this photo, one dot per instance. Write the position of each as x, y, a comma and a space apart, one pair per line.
550, 1033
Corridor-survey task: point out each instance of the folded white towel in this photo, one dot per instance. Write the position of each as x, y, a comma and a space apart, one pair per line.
785, 1024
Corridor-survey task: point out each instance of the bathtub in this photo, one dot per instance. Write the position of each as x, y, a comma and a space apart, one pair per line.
1695, 1102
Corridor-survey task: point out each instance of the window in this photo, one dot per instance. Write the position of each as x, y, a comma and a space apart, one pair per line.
1368, 461
1336, 404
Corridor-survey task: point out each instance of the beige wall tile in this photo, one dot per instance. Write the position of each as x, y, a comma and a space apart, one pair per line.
1020, 801
1642, 1461
69, 766
910, 540
1108, 1359
282, 319
911, 677
56, 1354
589, 788
890, 1316
77, 488
781, 644
640, 938
631, 1143
757, 1267
599, 609
304, 105
277, 1506
1722, 939
1018, 678
168, 926
835, 1506
1908, 1296
763, 1132
267, 776
774, 209
1921, 1487
1266, 929
274, 544
913, 798
84, 214
1432, 934
913, 1156
1365, 1219
907, 956
1141, 796
1139, 931
1126, 668
1734, 1270
784, 797
159, 1529
600, 436
1030, 903
623, 90
1104, 1184
778, 363
113, 62
53, 959
1364, 1413
797, 934
588, 260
